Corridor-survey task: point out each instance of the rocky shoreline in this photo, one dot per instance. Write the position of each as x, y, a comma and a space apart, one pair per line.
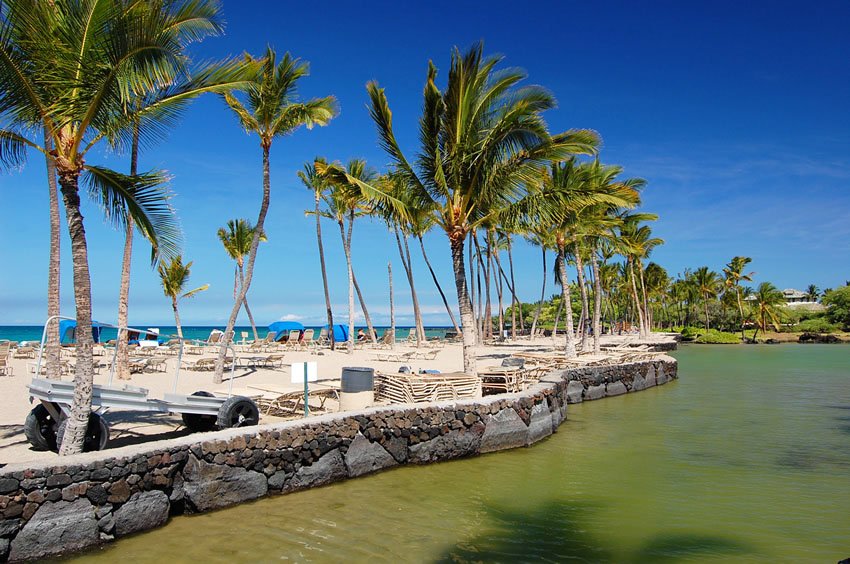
49, 509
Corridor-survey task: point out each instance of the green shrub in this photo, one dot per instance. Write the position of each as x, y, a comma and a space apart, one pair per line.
709, 336
817, 325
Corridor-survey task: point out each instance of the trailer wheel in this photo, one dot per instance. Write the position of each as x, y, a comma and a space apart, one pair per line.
198, 423
40, 428
238, 411
97, 433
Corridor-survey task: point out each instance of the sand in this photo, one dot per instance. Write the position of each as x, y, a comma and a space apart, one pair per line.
129, 427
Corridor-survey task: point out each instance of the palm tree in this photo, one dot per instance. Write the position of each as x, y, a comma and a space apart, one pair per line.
313, 182
68, 69
481, 141
636, 243
767, 300
174, 275
345, 201
271, 110
237, 243
707, 282
813, 293
186, 22
734, 272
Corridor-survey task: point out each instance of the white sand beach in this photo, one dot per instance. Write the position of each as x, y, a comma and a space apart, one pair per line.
128, 427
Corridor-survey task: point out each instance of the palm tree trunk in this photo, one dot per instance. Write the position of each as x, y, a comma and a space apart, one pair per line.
328, 308
350, 289
439, 288
585, 307
176, 316
542, 295
249, 267
122, 352
392, 306
636, 298
557, 317
407, 263
53, 348
570, 346
472, 271
646, 313
467, 319
367, 318
499, 291
740, 311
514, 296
72, 442
597, 303
245, 303
705, 307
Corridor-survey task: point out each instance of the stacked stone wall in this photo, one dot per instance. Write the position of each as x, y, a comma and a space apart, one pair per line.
79, 501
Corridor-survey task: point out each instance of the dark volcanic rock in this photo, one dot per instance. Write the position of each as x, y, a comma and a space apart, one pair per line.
327, 469
364, 456
454, 444
55, 528
503, 430
145, 510
208, 486
540, 425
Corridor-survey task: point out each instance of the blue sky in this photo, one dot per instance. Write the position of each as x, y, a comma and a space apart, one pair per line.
737, 114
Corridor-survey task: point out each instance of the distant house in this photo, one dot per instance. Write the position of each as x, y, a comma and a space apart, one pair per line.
793, 296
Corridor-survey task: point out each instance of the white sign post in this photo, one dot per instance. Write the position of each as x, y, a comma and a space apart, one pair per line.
306, 372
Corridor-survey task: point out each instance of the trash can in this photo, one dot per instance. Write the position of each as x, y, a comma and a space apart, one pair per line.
357, 388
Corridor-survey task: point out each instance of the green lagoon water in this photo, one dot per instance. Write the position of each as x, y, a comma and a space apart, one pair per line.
746, 458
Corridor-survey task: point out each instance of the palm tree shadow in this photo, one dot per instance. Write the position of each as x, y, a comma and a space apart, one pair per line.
673, 547
556, 531
551, 532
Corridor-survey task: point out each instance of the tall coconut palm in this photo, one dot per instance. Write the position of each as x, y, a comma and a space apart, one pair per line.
734, 272
236, 239
271, 109
313, 182
767, 301
707, 282
185, 22
70, 69
481, 141
636, 242
345, 202
174, 275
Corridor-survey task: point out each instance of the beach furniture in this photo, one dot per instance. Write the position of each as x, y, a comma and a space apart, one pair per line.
201, 411
425, 355
394, 357
5, 359
507, 378
25, 352
285, 404
307, 341
293, 340
418, 388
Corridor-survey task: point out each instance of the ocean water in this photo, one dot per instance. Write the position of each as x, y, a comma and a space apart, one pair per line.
746, 458
201, 332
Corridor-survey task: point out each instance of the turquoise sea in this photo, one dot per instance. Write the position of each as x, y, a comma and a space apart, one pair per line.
201, 332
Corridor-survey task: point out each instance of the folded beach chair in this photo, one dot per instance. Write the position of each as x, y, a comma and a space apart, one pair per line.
324, 340
5, 360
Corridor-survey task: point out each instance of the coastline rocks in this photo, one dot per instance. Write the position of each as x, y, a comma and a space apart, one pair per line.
615, 389
327, 469
56, 527
454, 444
211, 486
540, 425
144, 510
503, 430
364, 456
575, 391
594, 392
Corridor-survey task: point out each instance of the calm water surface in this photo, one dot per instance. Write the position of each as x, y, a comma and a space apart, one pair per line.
745, 458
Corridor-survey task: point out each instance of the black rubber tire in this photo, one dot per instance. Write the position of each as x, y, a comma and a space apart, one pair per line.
238, 411
40, 428
198, 423
97, 433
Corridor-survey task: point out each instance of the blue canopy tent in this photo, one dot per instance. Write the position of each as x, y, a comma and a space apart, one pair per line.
282, 328
340, 333
68, 331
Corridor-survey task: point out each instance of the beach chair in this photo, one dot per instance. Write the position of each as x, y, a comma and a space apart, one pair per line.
244, 338
324, 339
5, 360
307, 340
200, 364
293, 341
411, 336
25, 352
